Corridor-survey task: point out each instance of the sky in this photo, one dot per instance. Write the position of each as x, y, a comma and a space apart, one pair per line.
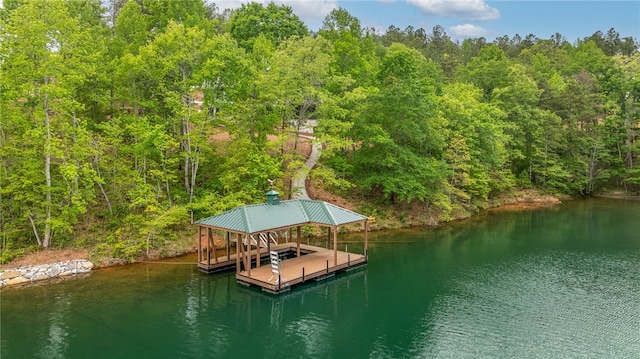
478, 18
574, 19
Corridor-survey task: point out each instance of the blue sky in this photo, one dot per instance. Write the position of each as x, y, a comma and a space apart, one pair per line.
574, 19
474, 18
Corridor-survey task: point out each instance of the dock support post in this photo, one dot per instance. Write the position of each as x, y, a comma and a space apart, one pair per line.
228, 246
268, 243
211, 244
303, 274
208, 247
299, 235
366, 239
335, 246
248, 255
258, 245
199, 243
238, 251
328, 237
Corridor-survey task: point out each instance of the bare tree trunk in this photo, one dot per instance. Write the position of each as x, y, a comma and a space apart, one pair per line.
186, 147
629, 143
592, 170
35, 229
96, 168
190, 163
166, 182
47, 174
106, 198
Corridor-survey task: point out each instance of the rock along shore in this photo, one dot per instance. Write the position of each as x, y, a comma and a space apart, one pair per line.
28, 274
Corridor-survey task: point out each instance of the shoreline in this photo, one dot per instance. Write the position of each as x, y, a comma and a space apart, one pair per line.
520, 200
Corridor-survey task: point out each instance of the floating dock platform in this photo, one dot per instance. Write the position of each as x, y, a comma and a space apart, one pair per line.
313, 264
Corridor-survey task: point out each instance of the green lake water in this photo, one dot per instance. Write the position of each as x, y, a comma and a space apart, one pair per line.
562, 282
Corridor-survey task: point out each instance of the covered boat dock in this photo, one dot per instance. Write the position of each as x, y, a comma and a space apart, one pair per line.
251, 236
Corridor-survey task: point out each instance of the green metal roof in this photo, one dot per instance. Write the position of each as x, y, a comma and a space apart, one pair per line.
264, 217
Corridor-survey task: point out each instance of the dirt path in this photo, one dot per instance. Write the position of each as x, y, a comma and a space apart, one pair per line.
316, 150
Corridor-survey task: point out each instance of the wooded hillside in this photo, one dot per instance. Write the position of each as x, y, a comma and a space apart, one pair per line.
109, 115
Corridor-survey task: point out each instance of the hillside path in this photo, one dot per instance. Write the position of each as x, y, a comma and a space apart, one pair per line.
300, 190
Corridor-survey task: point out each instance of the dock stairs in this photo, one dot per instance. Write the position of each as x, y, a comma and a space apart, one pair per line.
264, 238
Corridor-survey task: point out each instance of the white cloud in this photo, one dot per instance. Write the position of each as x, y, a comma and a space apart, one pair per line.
475, 10
228, 4
470, 31
311, 12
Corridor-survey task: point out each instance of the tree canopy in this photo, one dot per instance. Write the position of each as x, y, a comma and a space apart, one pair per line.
120, 125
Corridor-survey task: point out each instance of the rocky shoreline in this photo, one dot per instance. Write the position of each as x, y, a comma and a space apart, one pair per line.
73, 265
30, 274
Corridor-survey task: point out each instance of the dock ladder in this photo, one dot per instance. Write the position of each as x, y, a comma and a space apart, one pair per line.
275, 267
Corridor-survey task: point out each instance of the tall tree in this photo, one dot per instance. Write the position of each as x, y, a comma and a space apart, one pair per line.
400, 137
190, 13
47, 56
276, 22
476, 151
487, 70
175, 62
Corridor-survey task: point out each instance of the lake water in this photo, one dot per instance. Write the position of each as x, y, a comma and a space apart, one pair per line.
550, 283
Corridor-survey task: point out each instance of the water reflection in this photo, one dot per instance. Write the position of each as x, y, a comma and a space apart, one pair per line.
191, 313
312, 332
56, 344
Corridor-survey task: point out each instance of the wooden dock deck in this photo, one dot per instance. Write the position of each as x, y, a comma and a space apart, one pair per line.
314, 263
219, 263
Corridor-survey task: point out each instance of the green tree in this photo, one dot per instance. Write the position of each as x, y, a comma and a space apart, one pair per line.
533, 132
276, 22
476, 151
442, 50
190, 13
488, 70
353, 48
130, 31
47, 56
400, 138
175, 61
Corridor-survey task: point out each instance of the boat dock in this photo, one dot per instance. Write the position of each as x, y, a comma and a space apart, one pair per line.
313, 264
261, 260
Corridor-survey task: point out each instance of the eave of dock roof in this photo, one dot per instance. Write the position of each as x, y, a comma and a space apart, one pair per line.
285, 214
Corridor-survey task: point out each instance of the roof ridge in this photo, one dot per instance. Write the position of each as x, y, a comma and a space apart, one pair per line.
328, 212
344, 209
304, 211
245, 218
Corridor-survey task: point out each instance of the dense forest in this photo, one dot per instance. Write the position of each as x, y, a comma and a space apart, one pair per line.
111, 114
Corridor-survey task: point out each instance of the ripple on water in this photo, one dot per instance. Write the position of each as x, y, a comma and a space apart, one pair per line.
553, 304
